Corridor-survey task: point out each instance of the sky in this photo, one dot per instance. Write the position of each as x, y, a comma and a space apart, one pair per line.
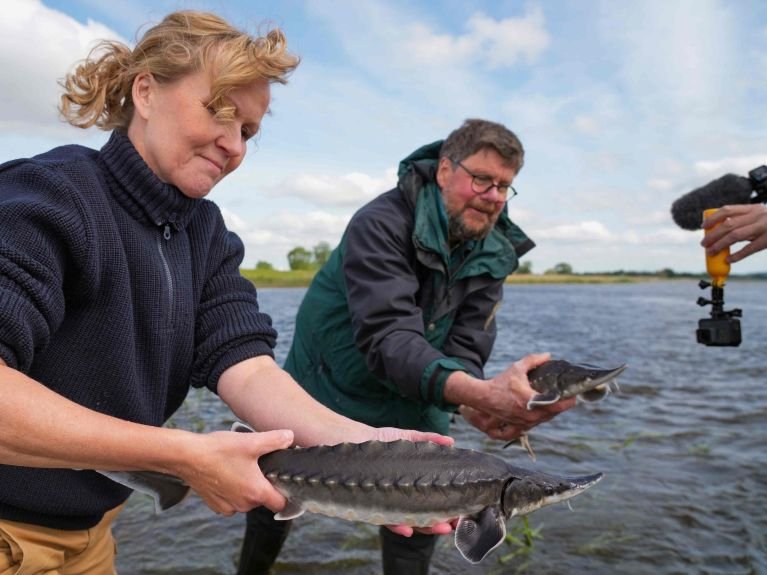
621, 106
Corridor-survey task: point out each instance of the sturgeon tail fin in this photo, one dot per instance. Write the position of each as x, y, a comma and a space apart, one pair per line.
166, 490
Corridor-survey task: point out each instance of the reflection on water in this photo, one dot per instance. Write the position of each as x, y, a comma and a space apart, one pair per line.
682, 447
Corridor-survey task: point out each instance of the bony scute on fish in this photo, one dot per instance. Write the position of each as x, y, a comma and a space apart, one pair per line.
401, 483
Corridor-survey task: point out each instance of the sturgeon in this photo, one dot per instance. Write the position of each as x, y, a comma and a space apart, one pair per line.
397, 483
559, 379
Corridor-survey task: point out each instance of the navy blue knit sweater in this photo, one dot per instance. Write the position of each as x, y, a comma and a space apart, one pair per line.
117, 292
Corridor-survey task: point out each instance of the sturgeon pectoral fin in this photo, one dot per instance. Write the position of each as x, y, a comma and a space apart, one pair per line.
166, 490
477, 535
524, 441
291, 511
544, 399
596, 394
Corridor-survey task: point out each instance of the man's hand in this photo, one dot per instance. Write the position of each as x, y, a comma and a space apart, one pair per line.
491, 425
737, 223
498, 406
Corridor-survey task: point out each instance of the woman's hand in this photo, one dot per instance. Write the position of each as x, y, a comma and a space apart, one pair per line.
223, 470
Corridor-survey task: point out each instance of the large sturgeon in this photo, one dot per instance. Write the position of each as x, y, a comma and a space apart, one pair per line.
397, 483
559, 379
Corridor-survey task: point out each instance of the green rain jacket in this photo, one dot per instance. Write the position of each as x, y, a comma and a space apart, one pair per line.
392, 314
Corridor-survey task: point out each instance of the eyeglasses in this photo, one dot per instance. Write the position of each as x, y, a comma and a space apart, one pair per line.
481, 184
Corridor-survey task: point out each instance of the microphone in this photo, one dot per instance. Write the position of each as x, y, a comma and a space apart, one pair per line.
723, 327
687, 211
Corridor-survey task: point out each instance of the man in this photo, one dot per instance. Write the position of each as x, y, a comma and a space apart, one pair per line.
397, 326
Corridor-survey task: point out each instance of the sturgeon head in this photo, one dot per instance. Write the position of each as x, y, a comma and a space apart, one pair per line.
559, 379
526, 491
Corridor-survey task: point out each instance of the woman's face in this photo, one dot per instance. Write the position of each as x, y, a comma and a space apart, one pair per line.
177, 135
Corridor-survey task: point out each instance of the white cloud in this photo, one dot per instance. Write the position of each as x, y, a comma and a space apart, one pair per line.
586, 124
577, 232
678, 60
403, 40
271, 238
408, 54
670, 236
37, 46
350, 190
502, 43
660, 184
738, 165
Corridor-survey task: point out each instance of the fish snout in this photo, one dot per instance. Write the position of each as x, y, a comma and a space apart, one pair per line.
524, 495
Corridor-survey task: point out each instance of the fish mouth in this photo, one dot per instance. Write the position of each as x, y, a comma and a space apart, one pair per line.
598, 387
522, 496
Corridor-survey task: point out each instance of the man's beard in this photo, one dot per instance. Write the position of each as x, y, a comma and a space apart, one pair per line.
459, 232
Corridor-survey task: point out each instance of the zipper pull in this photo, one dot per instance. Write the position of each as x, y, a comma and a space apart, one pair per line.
166, 232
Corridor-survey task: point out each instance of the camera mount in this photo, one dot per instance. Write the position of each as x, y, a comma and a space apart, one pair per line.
723, 327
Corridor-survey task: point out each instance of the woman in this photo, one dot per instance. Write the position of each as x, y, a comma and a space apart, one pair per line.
119, 288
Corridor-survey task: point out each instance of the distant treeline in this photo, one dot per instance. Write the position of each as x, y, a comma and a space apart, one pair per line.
304, 262
669, 273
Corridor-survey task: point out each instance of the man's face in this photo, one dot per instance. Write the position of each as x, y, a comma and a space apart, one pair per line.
472, 215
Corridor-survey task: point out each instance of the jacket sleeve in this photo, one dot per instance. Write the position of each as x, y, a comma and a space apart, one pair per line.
467, 346
473, 332
230, 327
381, 285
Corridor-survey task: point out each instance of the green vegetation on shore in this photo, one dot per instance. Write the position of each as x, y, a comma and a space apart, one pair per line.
304, 263
302, 278
278, 278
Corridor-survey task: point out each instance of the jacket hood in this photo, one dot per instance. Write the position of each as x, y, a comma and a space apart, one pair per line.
427, 155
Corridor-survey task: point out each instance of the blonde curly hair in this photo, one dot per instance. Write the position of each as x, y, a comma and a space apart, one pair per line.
98, 92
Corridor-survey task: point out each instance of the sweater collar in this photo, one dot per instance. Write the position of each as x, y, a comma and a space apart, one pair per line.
139, 190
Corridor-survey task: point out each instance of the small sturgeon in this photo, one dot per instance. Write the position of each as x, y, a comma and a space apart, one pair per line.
397, 483
559, 379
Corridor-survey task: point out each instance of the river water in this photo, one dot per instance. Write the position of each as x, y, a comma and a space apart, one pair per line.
683, 447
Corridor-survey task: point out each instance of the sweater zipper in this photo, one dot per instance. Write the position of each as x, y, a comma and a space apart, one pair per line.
166, 235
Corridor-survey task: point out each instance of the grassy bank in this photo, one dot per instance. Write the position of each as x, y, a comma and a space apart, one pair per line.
576, 279
277, 278
302, 278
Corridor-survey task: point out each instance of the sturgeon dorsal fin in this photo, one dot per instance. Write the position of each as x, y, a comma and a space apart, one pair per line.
477, 535
291, 511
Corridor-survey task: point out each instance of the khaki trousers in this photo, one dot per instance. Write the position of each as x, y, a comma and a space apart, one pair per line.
27, 549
